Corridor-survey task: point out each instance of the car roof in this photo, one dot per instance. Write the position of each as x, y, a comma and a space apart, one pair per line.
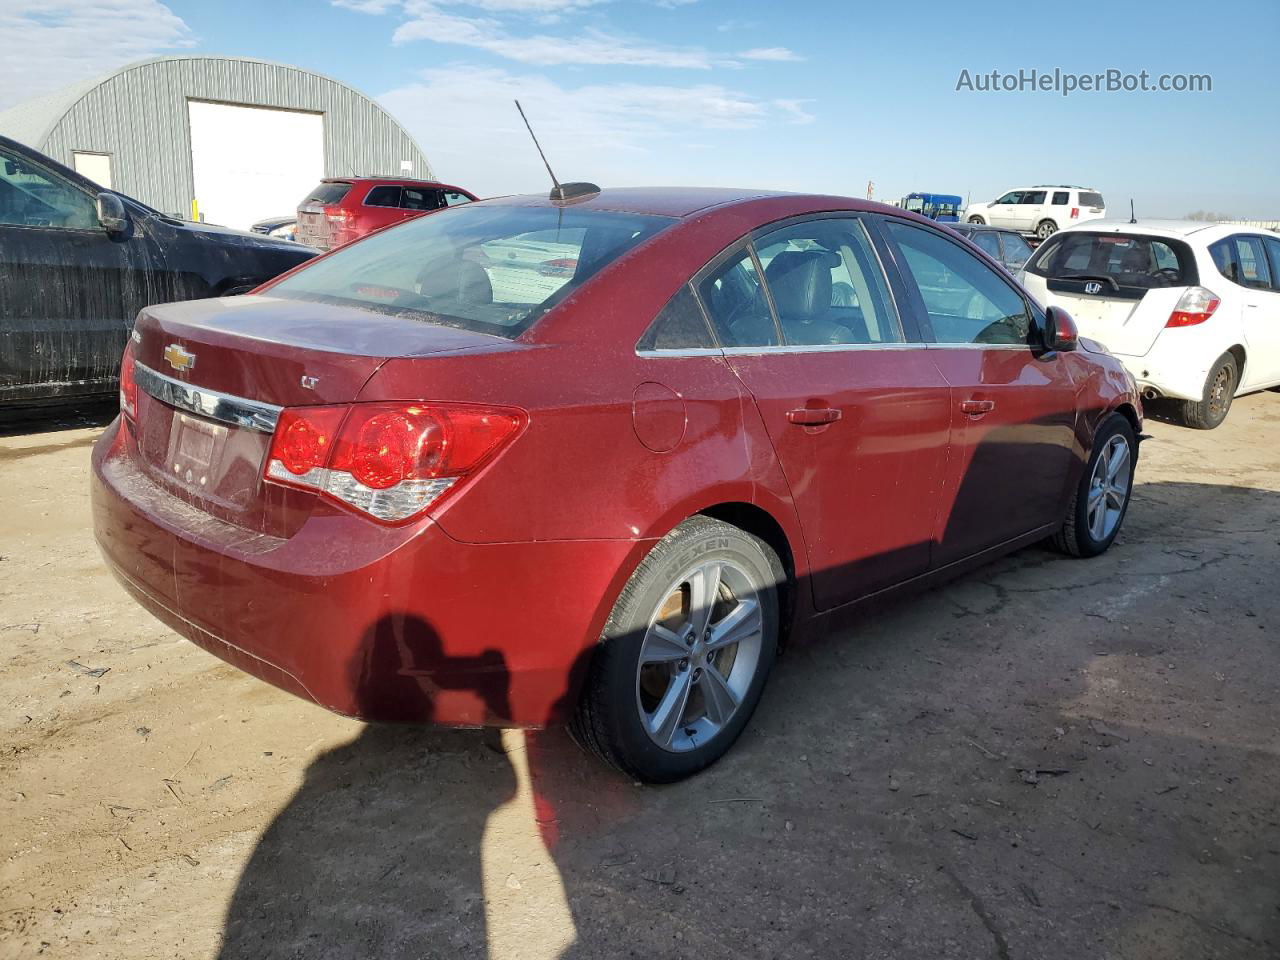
1155, 226
395, 181
681, 202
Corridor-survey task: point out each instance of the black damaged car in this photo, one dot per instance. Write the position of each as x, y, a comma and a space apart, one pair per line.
78, 262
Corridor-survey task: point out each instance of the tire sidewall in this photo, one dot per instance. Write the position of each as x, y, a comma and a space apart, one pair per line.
1210, 420
1114, 425
630, 620
1053, 228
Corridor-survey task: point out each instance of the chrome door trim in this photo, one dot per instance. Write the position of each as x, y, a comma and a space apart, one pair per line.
237, 411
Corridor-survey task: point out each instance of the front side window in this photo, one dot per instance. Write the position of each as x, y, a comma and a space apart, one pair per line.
490, 269
30, 197
1016, 250
1014, 196
827, 285
966, 300
734, 300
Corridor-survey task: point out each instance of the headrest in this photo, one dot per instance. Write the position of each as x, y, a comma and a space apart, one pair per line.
800, 281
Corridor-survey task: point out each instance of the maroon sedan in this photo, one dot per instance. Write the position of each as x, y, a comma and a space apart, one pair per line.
593, 460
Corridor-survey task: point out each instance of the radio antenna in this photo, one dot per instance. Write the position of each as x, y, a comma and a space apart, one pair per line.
1133, 217
568, 191
558, 190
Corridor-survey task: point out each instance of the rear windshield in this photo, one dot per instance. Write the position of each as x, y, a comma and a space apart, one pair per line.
1125, 265
1089, 199
486, 269
327, 194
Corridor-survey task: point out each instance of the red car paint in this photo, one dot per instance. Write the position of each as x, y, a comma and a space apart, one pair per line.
368, 204
485, 609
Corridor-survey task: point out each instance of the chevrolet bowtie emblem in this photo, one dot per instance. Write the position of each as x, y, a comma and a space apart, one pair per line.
178, 358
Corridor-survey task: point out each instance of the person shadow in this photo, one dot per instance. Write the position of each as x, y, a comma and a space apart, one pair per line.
379, 853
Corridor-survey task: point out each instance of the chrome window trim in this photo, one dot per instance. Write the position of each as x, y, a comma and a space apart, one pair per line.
768, 350
237, 411
979, 346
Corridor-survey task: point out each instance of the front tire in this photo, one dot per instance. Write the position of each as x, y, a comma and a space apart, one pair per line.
1219, 390
1101, 499
978, 220
1046, 229
685, 653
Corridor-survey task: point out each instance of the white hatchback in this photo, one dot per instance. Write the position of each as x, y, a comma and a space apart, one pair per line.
1040, 211
1191, 309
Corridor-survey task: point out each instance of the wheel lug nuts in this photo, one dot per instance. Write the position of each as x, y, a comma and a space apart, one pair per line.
684, 664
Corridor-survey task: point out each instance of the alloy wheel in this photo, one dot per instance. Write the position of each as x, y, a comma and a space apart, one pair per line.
1109, 488
699, 655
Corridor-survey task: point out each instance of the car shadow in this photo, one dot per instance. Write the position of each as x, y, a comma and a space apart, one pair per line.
1020, 763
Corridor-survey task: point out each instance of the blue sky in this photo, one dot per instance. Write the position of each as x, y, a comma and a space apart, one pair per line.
821, 96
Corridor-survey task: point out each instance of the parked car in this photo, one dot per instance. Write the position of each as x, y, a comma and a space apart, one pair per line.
1191, 309
1006, 247
78, 262
342, 209
608, 494
285, 228
1040, 211
943, 207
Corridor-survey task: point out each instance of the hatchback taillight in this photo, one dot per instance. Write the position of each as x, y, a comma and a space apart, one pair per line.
388, 460
1196, 305
128, 383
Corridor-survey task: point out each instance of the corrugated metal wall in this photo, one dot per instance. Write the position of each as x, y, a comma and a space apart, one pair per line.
139, 116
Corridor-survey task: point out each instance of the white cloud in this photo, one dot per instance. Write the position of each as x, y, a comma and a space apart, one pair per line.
52, 43
780, 54
613, 134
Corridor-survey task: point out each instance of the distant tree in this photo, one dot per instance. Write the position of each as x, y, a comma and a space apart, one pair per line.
1209, 215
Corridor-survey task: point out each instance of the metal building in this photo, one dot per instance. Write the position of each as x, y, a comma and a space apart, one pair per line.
223, 139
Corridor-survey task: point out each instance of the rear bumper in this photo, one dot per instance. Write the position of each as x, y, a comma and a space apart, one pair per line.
392, 624
1176, 373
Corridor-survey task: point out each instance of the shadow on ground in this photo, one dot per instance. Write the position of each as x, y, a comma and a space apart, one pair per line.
1048, 758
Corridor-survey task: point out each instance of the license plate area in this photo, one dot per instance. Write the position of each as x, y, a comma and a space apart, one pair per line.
195, 449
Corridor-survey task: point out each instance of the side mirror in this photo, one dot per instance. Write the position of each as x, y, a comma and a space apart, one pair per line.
112, 214
1060, 332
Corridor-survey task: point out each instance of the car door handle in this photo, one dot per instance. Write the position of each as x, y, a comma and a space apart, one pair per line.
813, 416
976, 408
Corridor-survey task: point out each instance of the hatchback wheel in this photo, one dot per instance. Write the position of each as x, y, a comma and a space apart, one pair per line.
1219, 389
1101, 499
685, 653
1046, 229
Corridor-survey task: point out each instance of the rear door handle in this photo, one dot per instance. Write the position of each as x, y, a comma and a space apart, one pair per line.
813, 416
977, 407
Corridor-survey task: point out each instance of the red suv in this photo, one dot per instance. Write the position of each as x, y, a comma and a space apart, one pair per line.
339, 210
535, 459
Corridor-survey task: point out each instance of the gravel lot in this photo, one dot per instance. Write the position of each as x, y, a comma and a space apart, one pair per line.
1048, 758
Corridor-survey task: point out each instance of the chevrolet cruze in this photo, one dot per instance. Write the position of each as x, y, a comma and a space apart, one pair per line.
593, 460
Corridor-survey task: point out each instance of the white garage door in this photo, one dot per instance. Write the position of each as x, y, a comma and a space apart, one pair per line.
251, 163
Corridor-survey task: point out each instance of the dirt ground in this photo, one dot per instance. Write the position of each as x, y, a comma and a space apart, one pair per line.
1049, 758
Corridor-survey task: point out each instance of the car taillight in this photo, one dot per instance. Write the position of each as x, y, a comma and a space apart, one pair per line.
128, 383
1075, 213
388, 460
1196, 305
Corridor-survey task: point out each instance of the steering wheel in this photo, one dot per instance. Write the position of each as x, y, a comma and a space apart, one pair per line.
1172, 274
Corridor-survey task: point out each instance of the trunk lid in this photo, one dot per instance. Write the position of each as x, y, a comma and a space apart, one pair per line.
1125, 325
213, 374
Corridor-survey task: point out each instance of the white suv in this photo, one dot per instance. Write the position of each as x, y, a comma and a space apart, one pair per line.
1042, 210
1191, 309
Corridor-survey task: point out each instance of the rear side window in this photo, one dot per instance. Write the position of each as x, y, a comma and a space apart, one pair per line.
826, 284
735, 301
383, 197
966, 300
452, 198
1127, 265
680, 325
1016, 250
1060, 198
1034, 196
987, 242
415, 198
327, 194
1090, 199
1243, 260
491, 269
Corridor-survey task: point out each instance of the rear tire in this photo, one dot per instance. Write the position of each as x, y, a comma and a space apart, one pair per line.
656, 652
1046, 229
1219, 390
977, 220
1106, 485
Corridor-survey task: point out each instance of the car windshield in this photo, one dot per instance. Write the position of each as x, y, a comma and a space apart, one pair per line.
490, 269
